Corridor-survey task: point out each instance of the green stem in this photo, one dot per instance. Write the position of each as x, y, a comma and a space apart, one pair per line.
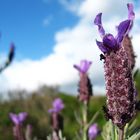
85, 112
121, 134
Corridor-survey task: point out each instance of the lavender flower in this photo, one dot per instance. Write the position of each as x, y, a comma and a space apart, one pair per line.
93, 131
18, 119
84, 66
56, 118
119, 83
57, 106
85, 87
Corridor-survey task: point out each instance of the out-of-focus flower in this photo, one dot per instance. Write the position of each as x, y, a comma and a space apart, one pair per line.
11, 53
118, 74
84, 66
58, 105
56, 121
18, 119
56, 118
9, 58
85, 87
93, 131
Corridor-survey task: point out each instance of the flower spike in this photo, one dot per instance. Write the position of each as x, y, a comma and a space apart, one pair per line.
84, 66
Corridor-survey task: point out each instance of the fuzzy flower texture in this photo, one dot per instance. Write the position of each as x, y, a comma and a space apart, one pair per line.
119, 83
18, 119
93, 131
56, 117
85, 87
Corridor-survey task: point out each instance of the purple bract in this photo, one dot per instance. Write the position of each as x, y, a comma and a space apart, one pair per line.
18, 119
93, 131
84, 66
58, 105
109, 42
131, 14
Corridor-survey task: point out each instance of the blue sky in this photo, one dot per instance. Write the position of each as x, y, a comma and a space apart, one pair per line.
31, 25
52, 35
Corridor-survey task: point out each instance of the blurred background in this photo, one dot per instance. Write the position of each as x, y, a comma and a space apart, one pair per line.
50, 36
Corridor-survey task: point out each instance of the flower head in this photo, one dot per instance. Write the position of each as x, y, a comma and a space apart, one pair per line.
58, 105
84, 66
85, 87
56, 117
93, 131
18, 119
109, 42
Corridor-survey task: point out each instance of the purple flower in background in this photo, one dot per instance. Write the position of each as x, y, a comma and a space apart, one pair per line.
85, 86
58, 105
93, 131
56, 119
109, 42
18, 119
84, 66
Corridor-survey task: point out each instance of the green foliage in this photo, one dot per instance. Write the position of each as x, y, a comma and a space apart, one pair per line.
37, 105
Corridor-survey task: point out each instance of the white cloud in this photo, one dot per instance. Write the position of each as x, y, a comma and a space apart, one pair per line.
72, 45
71, 5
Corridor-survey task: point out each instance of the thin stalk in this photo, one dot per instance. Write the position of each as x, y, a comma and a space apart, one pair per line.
55, 135
85, 112
121, 134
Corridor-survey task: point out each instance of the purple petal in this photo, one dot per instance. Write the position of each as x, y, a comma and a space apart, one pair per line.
123, 29
131, 14
14, 118
77, 67
110, 42
98, 22
58, 104
22, 116
93, 131
102, 47
84, 66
